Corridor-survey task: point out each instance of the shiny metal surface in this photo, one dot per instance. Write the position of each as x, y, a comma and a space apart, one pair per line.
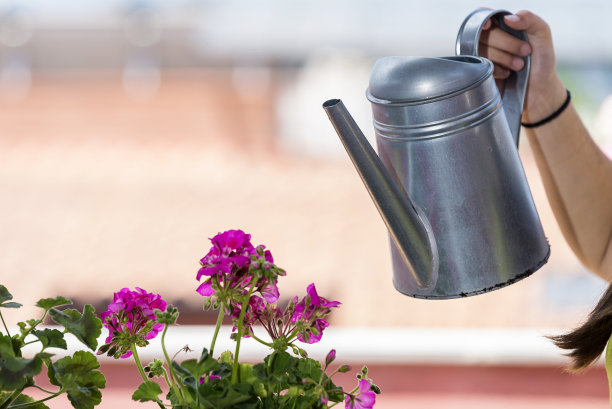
469, 181
516, 84
444, 138
419, 79
407, 225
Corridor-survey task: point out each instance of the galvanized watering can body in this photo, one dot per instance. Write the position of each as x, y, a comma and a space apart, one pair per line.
449, 182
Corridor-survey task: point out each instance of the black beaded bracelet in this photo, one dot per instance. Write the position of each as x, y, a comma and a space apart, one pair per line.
551, 116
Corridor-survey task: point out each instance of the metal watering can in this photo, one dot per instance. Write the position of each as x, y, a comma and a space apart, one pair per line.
449, 182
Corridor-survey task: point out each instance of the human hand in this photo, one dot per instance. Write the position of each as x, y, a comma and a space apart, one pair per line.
545, 92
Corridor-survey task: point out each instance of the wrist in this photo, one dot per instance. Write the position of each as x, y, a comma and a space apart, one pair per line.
553, 115
543, 100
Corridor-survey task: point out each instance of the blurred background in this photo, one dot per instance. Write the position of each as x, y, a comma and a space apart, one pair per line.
133, 131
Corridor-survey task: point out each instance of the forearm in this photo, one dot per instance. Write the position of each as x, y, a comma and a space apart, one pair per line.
577, 177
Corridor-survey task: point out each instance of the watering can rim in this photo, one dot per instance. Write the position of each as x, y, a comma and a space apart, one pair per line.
398, 91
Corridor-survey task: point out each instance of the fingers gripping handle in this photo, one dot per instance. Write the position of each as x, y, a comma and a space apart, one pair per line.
516, 84
471, 28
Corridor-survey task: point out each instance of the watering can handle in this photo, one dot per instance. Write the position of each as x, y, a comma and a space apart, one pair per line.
516, 84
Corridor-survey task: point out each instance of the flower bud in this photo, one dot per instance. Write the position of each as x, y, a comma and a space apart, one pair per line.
226, 357
331, 355
103, 349
167, 317
260, 389
344, 368
207, 304
375, 389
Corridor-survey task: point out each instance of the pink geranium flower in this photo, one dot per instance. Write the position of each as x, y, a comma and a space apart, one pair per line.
233, 265
231, 252
255, 308
363, 399
133, 312
312, 311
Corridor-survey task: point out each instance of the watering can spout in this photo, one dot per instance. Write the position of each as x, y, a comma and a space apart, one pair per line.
408, 226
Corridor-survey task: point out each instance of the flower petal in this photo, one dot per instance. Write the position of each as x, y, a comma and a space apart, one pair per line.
270, 292
205, 289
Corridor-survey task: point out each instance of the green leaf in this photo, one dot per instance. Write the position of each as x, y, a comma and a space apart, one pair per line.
239, 393
224, 370
14, 370
198, 368
147, 391
309, 368
86, 327
48, 303
5, 295
10, 305
78, 376
281, 362
51, 338
180, 370
6, 346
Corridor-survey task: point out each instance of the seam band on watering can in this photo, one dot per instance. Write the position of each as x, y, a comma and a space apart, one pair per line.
442, 128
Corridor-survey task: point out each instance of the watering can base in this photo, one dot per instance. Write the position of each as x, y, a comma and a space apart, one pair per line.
513, 280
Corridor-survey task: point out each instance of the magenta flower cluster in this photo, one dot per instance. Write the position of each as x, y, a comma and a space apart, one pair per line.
233, 265
131, 316
311, 312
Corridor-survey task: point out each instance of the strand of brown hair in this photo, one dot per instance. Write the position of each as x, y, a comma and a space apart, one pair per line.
587, 342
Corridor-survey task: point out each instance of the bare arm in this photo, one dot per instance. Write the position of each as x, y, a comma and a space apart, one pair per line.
576, 174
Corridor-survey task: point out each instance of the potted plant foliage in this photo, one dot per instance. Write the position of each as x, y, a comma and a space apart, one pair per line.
238, 280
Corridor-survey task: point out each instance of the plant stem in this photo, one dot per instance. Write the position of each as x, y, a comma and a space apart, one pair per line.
5, 327
25, 405
26, 333
43, 389
142, 372
174, 379
217, 327
11, 398
138, 363
243, 308
170, 384
312, 402
261, 341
